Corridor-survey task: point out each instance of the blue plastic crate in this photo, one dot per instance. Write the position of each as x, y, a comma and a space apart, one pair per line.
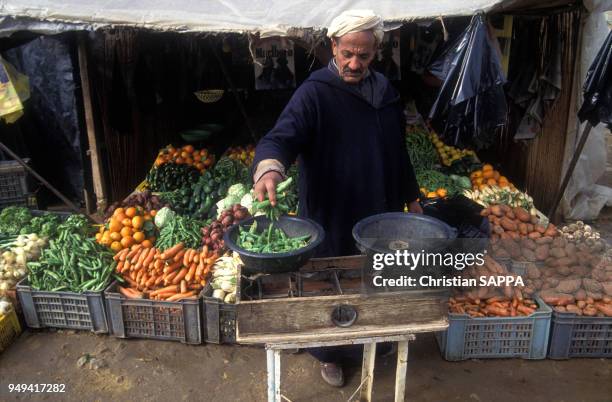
496, 337
572, 335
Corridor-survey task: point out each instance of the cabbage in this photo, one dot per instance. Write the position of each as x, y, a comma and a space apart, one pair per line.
237, 190
163, 216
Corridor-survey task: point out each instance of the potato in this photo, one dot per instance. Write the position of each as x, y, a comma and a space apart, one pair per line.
570, 249
565, 261
522, 228
514, 235
505, 208
594, 295
552, 282
521, 214
592, 286
607, 288
551, 262
581, 304
557, 252
572, 308
559, 242
564, 270
528, 243
568, 285
580, 295
497, 229
551, 230
534, 235
533, 272
606, 309
590, 311
540, 229
497, 211
533, 219
560, 309
544, 240
542, 252
485, 212
508, 224
580, 271
528, 255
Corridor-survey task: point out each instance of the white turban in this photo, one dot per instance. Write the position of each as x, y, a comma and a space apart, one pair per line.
356, 21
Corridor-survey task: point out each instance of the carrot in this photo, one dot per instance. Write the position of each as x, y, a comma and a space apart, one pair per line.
119, 266
139, 275
133, 251
179, 276
183, 286
173, 267
179, 256
158, 264
204, 251
200, 269
169, 277
149, 259
196, 257
129, 293
191, 272
524, 309
171, 252
133, 276
203, 282
120, 256
195, 286
495, 299
186, 257
502, 312
159, 280
142, 257
130, 281
180, 296
171, 288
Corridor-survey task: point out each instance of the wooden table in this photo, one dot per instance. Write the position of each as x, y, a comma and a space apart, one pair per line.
274, 348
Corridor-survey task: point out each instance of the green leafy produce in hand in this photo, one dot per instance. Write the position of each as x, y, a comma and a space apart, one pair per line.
281, 207
74, 261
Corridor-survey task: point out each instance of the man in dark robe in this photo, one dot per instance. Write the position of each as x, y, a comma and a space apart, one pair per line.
345, 126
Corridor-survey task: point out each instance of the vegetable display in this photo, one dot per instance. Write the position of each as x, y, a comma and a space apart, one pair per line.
170, 177
128, 226
497, 306
421, 150
224, 277
449, 154
243, 154
489, 177
175, 274
13, 219
180, 229
497, 195
212, 235
144, 199
74, 261
187, 155
269, 240
434, 184
24, 249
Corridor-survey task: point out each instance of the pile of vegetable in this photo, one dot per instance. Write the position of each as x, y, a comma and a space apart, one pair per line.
489, 177
170, 177
505, 196
497, 306
269, 240
145, 199
212, 235
243, 154
224, 277
490, 269
13, 219
73, 262
175, 229
449, 154
172, 275
13, 261
421, 150
580, 233
187, 155
126, 227
5, 306
434, 184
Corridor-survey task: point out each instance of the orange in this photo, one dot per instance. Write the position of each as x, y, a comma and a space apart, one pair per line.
118, 211
137, 222
188, 148
102, 229
147, 217
139, 237
106, 240
114, 225
130, 212
116, 246
487, 174
120, 217
491, 182
127, 242
153, 212
127, 222
116, 236
126, 232
98, 237
441, 192
486, 167
147, 243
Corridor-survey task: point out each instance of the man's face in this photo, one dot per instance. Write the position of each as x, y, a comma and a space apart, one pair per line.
354, 52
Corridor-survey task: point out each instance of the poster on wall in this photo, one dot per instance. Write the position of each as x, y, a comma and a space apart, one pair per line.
276, 66
387, 60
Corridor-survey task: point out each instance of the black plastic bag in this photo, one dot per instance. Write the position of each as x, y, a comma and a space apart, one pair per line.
471, 103
597, 106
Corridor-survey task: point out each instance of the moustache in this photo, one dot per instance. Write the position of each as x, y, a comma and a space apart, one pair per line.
351, 72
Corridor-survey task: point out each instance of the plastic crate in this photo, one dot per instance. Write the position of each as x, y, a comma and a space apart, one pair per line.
9, 329
13, 180
519, 267
220, 319
27, 200
572, 335
496, 337
42, 309
154, 319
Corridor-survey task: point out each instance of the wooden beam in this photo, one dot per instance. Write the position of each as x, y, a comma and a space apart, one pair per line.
92, 152
367, 371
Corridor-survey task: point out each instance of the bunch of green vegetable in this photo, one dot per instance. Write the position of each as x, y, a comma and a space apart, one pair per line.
179, 229
74, 261
45, 225
13, 219
421, 150
170, 177
281, 207
269, 240
432, 180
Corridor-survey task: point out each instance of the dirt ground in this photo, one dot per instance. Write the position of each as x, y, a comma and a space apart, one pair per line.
139, 370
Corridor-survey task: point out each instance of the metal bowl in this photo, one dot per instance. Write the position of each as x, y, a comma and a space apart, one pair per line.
270, 263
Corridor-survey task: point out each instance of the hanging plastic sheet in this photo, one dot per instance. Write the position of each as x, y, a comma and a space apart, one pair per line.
471, 103
597, 106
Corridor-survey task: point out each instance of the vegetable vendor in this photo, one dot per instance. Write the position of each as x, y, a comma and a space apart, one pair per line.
345, 126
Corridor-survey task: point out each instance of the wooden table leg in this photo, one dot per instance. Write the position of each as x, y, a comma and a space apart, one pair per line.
273, 366
400, 370
367, 371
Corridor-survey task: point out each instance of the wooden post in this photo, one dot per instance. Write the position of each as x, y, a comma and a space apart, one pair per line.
93, 152
367, 371
400, 370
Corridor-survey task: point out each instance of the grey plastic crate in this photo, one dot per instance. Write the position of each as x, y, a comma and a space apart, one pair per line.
13, 180
496, 337
43, 309
154, 319
219, 318
572, 335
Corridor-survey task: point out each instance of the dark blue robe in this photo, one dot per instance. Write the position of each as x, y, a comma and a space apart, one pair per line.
351, 153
